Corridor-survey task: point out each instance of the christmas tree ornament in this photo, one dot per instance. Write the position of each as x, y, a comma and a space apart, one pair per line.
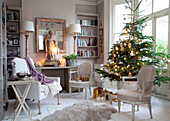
131, 54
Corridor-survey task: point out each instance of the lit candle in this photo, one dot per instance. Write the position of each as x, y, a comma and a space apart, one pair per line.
56, 53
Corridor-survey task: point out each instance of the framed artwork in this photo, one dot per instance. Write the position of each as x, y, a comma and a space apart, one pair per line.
101, 48
16, 41
101, 41
101, 32
101, 24
101, 58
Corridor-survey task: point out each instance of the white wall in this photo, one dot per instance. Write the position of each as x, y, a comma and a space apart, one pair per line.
60, 9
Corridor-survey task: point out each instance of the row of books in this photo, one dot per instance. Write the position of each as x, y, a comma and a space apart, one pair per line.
88, 22
86, 53
86, 42
13, 16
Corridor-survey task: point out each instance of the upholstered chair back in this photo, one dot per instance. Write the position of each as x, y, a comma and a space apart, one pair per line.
85, 69
147, 73
20, 65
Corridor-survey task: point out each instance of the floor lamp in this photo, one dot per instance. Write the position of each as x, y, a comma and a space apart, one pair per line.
26, 28
74, 29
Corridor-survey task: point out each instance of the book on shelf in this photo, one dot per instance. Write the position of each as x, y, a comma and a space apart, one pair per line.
13, 16
87, 53
87, 22
86, 42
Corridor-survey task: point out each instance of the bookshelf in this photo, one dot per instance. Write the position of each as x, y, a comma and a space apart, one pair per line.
3, 59
87, 41
13, 35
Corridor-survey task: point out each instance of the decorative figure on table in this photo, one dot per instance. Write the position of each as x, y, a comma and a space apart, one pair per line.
52, 51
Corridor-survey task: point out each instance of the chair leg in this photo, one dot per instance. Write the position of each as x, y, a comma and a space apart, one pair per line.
58, 96
39, 105
150, 109
118, 105
79, 90
70, 90
90, 90
137, 107
133, 112
85, 93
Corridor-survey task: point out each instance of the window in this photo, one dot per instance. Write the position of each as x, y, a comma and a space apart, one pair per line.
120, 19
146, 7
160, 5
162, 34
148, 28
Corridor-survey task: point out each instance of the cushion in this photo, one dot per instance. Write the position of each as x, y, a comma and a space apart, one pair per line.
132, 96
74, 83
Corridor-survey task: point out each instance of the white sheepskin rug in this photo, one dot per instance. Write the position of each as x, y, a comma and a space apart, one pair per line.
85, 111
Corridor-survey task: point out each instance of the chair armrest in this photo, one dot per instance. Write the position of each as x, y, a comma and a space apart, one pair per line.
72, 72
144, 86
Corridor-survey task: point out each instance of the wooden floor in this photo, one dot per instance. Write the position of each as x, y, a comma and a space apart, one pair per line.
160, 108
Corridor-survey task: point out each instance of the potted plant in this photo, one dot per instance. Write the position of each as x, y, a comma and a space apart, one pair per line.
70, 59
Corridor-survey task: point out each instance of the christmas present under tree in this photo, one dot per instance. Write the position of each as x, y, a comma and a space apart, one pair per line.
134, 51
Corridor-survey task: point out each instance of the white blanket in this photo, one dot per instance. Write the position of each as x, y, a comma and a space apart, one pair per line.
51, 89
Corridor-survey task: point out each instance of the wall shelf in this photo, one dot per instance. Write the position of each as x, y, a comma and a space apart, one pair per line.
88, 36
87, 46
92, 57
88, 26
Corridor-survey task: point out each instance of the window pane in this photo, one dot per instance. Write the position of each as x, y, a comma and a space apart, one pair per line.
145, 7
121, 13
162, 34
116, 37
160, 4
148, 29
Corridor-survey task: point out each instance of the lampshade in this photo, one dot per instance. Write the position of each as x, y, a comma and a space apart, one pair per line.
27, 26
74, 29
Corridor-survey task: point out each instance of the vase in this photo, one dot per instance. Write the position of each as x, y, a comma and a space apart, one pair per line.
69, 62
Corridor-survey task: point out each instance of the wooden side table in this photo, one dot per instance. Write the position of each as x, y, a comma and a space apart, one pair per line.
21, 97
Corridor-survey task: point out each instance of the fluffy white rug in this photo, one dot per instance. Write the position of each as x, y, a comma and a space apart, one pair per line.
85, 111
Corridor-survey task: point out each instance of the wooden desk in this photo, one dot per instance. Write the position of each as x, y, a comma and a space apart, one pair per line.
62, 72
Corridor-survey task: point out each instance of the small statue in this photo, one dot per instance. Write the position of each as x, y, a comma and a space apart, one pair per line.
50, 45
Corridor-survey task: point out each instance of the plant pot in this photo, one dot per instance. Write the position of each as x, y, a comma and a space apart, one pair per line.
69, 62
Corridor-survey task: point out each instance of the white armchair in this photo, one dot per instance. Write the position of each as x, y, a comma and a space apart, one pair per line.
84, 69
37, 91
145, 81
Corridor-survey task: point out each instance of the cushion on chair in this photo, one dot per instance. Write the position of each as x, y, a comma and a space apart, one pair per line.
74, 83
131, 95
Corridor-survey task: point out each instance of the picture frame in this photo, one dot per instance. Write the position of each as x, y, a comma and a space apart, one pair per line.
101, 32
101, 58
101, 48
16, 41
101, 24
101, 41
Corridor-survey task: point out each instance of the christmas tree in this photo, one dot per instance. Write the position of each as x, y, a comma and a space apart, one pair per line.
134, 51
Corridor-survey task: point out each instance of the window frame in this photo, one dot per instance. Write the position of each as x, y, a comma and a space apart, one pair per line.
153, 16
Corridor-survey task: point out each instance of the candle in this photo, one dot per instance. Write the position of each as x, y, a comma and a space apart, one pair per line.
56, 53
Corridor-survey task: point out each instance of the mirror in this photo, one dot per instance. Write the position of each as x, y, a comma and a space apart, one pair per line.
44, 26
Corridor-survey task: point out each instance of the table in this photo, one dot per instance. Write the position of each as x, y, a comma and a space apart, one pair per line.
62, 72
21, 97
